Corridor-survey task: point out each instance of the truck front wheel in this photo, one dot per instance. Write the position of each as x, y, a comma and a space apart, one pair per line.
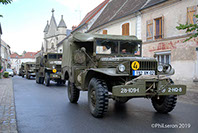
164, 104
47, 79
98, 97
73, 92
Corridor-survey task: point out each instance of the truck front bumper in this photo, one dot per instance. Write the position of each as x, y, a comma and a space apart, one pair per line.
143, 87
135, 90
55, 76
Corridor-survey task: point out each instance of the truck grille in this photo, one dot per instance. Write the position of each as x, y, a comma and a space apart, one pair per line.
146, 65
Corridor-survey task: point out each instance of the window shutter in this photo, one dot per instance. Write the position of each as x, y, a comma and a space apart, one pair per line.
191, 19
105, 32
125, 29
149, 30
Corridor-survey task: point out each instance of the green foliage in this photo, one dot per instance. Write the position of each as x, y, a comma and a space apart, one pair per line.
6, 74
5, 2
189, 28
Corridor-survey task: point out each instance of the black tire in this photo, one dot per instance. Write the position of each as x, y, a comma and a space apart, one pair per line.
123, 100
23, 76
41, 80
97, 97
37, 78
73, 92
47, 79
164, 104
26, 76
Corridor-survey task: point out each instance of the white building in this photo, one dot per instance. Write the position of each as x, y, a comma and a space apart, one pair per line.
5, 55
16, 60
54, 34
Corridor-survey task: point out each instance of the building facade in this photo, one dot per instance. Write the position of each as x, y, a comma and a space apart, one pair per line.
5, 55
161, 38
17, 60
53, 34
120, 18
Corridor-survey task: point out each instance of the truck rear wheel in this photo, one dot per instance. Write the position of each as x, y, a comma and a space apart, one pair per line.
73, 92
47, 79
98, 97
164, 104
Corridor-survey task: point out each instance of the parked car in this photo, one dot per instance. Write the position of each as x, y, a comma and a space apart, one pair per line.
11, 73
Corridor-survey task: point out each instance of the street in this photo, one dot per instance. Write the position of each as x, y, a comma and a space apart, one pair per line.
41, 109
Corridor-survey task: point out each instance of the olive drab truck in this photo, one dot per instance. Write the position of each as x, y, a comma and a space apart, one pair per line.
48, 67
21, 70
29, 69
111, 66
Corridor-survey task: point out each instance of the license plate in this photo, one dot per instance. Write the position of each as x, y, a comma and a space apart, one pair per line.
143, 72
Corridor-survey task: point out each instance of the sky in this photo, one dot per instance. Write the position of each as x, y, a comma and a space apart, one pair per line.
23, 21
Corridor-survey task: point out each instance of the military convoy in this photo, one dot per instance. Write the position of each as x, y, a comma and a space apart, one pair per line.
21, 70
111, 66
29, 70
48, 67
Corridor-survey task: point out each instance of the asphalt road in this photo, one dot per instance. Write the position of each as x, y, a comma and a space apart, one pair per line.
42, 109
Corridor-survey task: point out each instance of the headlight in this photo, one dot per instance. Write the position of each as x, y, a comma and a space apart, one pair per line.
53, 67
160, 68
121, 68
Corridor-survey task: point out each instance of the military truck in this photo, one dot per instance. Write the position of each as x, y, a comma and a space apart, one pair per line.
112, 66
48, 67
21, 70
29, 70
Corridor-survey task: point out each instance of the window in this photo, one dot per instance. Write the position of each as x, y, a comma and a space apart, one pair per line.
106, 47
104, 32
164, 57
149, 30
191, 19
125, 29
158, 28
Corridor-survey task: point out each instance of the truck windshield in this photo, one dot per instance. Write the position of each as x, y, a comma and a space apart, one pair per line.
106, 47
52, 56
55, 56
128, 47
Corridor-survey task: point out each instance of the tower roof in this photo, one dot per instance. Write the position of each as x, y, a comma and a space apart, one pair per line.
53, 21
62, 23
46, 27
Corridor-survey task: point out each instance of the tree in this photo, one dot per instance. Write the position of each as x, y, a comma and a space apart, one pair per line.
190, 28
5, 2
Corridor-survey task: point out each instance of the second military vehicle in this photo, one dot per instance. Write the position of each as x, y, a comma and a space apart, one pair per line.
21, 70
29, 69
111, 66
48, 67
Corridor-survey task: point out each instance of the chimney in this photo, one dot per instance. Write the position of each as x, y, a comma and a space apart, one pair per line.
74, 27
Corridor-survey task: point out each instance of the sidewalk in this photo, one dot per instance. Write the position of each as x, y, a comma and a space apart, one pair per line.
7, 107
